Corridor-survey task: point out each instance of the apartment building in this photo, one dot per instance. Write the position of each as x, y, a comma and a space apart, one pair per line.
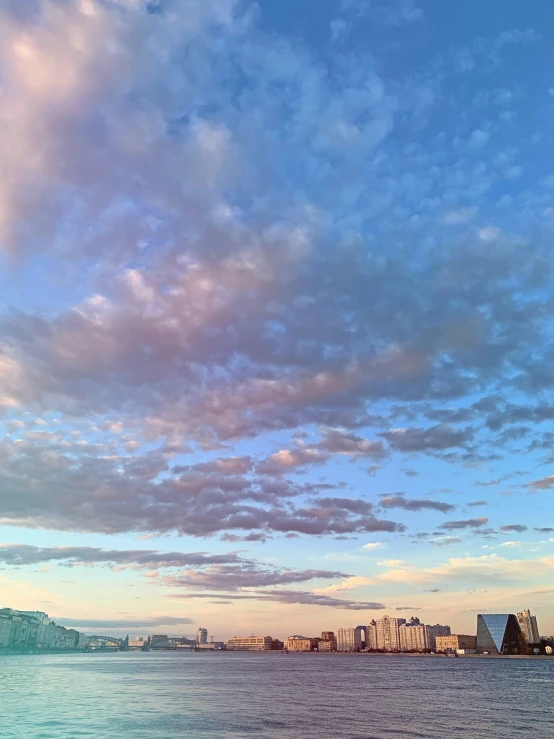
529, 627
350, 639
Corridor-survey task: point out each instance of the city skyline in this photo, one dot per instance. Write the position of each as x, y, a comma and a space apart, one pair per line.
276, 313
28, 632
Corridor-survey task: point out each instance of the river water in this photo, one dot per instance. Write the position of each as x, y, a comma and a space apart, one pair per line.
273, 696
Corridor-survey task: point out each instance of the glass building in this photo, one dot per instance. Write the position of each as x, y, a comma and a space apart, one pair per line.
500, 633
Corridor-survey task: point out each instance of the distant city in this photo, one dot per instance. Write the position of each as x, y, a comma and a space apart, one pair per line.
496, 634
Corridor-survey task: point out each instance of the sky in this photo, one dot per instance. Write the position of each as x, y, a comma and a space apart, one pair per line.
276, 313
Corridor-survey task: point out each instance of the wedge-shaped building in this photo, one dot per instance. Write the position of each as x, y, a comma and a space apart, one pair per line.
500, 633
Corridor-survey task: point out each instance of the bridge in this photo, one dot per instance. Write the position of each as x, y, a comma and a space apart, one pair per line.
105, 644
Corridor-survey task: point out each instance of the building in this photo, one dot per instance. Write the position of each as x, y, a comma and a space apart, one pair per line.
387, 633
371, 636
456, 643
182, 642
500, 633
211, 645
350, 640
432, 632
249, 643
136, 643
328, 642
413, 637
299, 643
33, 630
529, 627
159, 641
202, 636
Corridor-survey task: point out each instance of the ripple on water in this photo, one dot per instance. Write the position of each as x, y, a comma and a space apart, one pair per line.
271, 696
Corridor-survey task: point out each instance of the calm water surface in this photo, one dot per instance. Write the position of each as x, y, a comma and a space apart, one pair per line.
273, 696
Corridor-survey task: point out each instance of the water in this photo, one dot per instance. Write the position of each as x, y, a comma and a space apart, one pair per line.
274, 696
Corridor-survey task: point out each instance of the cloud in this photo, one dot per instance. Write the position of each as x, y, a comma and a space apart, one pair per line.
544, 483
230, 578
470, 523
349, 584
197, 570
295, 597
489, 569
519, 527
372, 545
544, 529
123, 623
333, 442
145, 492
340, 441
477, 503
227, 268
436, 438
478, 139
445, 541
392, 563
414, 504
512, 544
24, 555
287, 461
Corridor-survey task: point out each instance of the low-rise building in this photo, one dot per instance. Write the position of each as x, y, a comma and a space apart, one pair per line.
211, 646
299, 643
328, 642
249, 643
456, 643
159, 641
33, 630
137, 643
432, 632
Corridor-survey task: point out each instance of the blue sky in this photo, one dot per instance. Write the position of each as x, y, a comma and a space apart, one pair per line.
276, 312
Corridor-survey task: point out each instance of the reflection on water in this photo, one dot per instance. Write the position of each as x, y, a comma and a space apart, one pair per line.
274, 696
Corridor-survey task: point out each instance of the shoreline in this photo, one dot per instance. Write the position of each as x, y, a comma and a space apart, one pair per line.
37, 652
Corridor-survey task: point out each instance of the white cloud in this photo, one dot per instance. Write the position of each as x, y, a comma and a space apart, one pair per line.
459, 215
489, 233
478, 139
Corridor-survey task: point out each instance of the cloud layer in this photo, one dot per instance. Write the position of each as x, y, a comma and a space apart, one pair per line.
243, 270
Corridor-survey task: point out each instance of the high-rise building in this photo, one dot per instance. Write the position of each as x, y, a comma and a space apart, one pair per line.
350, 640
371, 633
413, 637
202, 636
387, 633
528, 625
500, 633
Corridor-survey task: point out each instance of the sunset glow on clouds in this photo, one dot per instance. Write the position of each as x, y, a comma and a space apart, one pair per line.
276, 322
